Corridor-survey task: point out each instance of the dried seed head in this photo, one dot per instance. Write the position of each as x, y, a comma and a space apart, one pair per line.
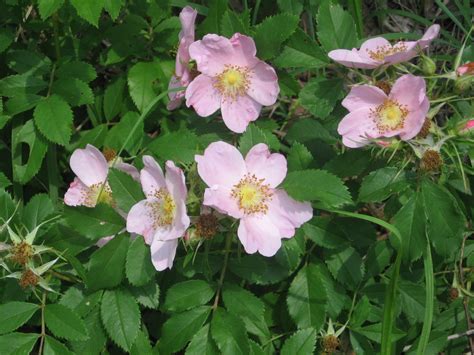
206, 226
28, 278
384, 86
453, 294
431, 161
330, 343
425, 129
109, 154
21, 253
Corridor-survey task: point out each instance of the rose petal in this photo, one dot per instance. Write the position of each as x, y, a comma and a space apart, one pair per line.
220, 198
238, 113
140, 221
356, 128
264, 165
202, 95
76, 195
163, 253
211, 54
263, 84
258, 233
89, 165
364, 96
352, 59
415, 120
409, 90
151, 176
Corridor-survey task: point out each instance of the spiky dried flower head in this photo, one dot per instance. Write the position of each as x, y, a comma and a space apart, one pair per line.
425, 129
330, 343
21, 253
206, 225
431, 161
28, 278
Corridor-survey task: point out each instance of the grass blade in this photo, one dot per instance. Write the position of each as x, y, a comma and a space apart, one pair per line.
429, 303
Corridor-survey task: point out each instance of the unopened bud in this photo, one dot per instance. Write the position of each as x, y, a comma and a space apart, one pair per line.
428, 66
425, 129
431, 161
463, 83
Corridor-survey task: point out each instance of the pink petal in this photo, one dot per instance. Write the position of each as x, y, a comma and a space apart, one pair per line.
415, 120
411, 50
374, 45
409, 90
258, 233
129, 169
163, 253
139, 221
352, 59
238, 113
89, 165
264, 165
176, 98
202, 95
211, 54
364, 96
220, 198
356, 128
298, 212
263, 84
151, 176
76, 194
244, 51
180, 223
221, 165
187, 17
175, 182
431, 33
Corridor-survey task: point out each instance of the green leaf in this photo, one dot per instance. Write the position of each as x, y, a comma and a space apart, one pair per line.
17, 343
307, 298
310, 185
374, 333
141, 78
188, 294
148, 296
179, 329
63, 322
217, 8
48, 7
113, 7
75, 69
119, 133
380, 184
15, 314
229, 333
141, 345
54, 347
299, 157
121, 317
74, 91
325, 232
272, 32
254, 135
346, 266
96, 343
306, 130
125, 190
202, 343
231, 23
89, 10
352, 162
412, 297
94, 223
138, 267
320, 95
28, 62
114, 98
446, 222
7, 37
291, 6
15, 85
179, 146
336, 28
378, 258
4, 181
301, 342
37, 210
107, 264
22, 103
54, 119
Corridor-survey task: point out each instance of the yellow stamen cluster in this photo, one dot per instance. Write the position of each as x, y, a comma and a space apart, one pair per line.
234, 81
98, 193
381, 52
389, 116
162, 208
252, 194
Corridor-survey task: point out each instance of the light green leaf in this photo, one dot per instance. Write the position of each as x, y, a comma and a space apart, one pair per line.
63, 322
179, 146
17, 343
15, 314
74, 91
97, 340
125, 190
113, 7
291, 6
299, 157
54, 119
229, 333
306, 130
217, 8
121, 317
254, 135
188, 294
37, 210
272, 32
48, 7
138, 267
89, 10
141, 78
320, 95
231, 23
4, 181
141, 345
14, 85
28, 62
301, 342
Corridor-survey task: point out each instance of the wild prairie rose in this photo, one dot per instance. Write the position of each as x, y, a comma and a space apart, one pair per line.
465, 69
232, 78
161, 218
247, 190
182, 74
374, 114
378, 51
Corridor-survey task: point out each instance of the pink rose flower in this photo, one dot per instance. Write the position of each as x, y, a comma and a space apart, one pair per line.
161, 218
233, 79
467, 68
373, 114
182, 75
378, 51
247, 190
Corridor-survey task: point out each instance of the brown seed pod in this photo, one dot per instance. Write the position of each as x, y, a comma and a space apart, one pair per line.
206, 226
21, 253
453, 294
330, 344
425, 129
28, 278
431, 161
109, 154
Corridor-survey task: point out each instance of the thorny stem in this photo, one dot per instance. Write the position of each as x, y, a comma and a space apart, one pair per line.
465, 298
228, 243
43, 327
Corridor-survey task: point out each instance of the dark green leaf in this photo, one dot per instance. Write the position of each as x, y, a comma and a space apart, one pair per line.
188, 294
202, 343
139, 268
15, 314
229, 333
89, 10
300, 343
125, 190
380, 184
17, 343
74, 91
346, 266
179, 146
54, 347
54, 119
63, 322
48, 7
320, 95
254, 135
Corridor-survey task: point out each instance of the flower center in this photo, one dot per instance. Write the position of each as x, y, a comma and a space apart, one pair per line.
381, 52
99, 193
389, 116
233, 82
162, 208
252, 194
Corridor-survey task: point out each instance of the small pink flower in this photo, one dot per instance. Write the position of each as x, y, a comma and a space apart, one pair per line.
378, 51
247, 190
467, 68
373, 114
161, 218
468, 126
182, 75
233, 79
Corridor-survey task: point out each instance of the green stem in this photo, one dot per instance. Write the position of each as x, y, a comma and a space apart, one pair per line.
429, 302
43, 327
228, 243
17, 159
255, 12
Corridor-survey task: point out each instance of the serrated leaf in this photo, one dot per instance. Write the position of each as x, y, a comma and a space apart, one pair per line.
148, 295
48, 7
299, 157
254, 135
113, 7
141, 345
381, 183
107, 264
301, 342
113, 98
121, 317
75, 69
231, 23
15, 85
17, 343
95, 136
320, 95
272, 32
97, 340
141, 78
138, 268
125, 190
325, 232
15, 314
310, 185
54, 347
179, 329
37, 210
63, 322
188, 294
202, 343
22, 103
412, 297
54, 119
346, 266
74, 91
217, 8
89, 10
352, 162
336, 28
378, 258
229, 333
306, 130
179, 146
307, 298
4, 181
28, 62
291, 6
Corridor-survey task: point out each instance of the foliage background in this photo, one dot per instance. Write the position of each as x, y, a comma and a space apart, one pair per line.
387, 257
